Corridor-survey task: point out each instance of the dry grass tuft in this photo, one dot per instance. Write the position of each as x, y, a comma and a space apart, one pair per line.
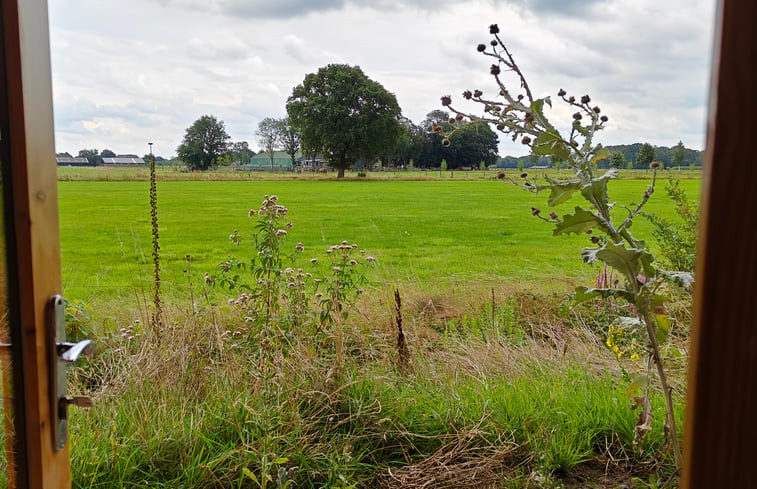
467, 460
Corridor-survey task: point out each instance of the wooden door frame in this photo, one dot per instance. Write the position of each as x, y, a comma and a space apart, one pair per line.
721, 421
34, 249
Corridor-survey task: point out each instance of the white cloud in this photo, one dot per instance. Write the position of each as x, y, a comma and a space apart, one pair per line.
142, 70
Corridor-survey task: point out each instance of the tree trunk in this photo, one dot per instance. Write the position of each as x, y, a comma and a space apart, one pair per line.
342, 165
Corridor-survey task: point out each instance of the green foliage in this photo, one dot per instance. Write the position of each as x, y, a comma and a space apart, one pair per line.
679, 153
472, 143
677, 238
279, 298
289, 138
617, 160
521, 116
205, 141
645, 156
240, 151
93, 156
268, 136
344, 114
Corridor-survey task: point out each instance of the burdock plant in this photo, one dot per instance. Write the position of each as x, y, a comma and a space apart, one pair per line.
516, 113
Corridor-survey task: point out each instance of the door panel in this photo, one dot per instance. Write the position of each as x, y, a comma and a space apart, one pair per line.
33, 250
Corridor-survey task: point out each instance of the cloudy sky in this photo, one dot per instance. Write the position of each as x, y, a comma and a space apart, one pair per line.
130, 72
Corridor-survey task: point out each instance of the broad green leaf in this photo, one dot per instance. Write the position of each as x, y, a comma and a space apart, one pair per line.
561, 191
550, 143
584, 294
281, 461
537, 107
662, 329
578, 222
622, 259
596, 192
637, 385
646, 260
248, 473
600, 154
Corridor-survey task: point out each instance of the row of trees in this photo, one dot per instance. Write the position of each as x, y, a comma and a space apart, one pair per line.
341, 114
347, 118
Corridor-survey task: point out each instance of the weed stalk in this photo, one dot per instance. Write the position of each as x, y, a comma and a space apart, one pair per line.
157, 318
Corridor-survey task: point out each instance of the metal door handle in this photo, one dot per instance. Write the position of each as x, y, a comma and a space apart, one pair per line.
70, 352
61, 354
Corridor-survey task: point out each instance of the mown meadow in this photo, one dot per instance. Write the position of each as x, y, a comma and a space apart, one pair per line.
501, 385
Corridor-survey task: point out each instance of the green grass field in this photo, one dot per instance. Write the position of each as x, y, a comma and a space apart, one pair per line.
428, 234
498, 389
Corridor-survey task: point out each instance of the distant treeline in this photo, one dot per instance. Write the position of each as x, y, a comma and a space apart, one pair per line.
629, 152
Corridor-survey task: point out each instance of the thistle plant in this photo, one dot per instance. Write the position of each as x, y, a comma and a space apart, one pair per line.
283, 298
515, 111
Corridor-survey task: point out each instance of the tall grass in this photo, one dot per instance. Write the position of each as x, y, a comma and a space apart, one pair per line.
510, 405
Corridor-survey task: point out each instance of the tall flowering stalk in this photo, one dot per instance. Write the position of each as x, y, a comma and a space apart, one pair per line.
518, 114
157, 318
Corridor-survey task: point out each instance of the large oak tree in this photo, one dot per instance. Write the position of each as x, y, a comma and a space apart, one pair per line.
342, 113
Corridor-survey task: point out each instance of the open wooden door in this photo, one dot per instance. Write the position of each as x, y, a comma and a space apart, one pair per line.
31, 260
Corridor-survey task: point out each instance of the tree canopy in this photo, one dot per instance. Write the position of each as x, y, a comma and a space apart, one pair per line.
268, 136
289, 138
344, 114
645, 156
204, 142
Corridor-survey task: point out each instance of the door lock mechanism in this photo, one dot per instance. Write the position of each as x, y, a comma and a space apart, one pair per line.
61, 354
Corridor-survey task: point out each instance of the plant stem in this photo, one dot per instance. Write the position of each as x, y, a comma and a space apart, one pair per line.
157, 319
670, 414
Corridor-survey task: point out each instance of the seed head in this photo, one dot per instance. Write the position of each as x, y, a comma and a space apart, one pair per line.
467, 95
571, 99
446, 100
561, 93
577, 116
535, 211
655, 164
493, 42
596, 110
553, 215
501, 175
526, 140
585, 99
494, 70
494, 29
524, 175
604, 118
436, 128
445, 142
477, 93
529, 118
481, 48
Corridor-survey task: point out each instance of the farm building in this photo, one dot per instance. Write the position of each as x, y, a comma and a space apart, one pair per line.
72, 161
131, 160
261, 161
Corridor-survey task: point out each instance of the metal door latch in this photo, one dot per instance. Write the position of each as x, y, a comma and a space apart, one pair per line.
61, 354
